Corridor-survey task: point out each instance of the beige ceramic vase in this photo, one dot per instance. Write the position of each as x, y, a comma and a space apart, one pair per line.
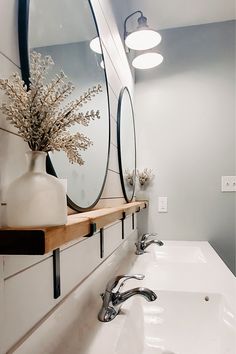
36, 198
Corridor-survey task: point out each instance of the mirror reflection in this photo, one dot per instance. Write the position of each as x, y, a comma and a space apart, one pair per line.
126, 144
67, 31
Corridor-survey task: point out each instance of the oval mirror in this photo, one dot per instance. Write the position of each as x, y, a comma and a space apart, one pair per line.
126, 144
67, 31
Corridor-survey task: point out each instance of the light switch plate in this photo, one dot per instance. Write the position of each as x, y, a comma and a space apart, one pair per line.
228, 183
162, 204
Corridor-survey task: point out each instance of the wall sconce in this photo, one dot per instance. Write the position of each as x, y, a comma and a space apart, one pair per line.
147, 60
95, 46
143, 38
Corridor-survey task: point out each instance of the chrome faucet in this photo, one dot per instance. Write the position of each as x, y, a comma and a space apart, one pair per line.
113, 298
142, 243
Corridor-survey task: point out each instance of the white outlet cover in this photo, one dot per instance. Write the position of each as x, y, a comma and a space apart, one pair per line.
228, 183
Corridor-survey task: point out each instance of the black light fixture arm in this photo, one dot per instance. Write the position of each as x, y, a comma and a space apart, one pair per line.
125, 23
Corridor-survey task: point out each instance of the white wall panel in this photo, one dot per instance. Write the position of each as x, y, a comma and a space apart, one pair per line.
114, 80
113, 186
113, 102
78, 261
84, 302
26, 295
12, 163
113, 162
112, 238
113, 132
15, 264
120, 60
128, 226
110, 202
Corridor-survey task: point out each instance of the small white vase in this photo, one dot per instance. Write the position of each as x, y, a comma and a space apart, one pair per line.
36, 198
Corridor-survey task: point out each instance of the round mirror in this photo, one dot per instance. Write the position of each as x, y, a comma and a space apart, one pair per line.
67, 31
126, 144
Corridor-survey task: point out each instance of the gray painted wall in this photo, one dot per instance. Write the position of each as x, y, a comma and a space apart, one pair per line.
185, 120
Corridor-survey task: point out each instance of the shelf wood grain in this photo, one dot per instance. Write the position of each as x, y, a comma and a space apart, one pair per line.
41, 240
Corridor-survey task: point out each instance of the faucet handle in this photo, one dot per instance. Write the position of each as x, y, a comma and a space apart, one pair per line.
119, 280
144, 237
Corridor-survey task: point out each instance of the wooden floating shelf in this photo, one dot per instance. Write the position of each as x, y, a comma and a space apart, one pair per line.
41, 240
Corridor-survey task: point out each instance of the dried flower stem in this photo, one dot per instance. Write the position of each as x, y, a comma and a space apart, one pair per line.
37, 113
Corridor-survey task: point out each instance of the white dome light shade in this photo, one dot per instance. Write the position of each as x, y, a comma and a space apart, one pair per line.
142, 39
147, 60
95, 45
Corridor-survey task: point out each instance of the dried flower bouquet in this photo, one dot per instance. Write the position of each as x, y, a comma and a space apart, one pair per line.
130, 177
38, 115
145, 176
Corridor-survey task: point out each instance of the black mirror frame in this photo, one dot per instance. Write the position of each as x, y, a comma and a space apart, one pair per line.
125, 89
23, 29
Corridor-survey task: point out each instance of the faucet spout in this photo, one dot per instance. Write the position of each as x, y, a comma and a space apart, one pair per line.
158, 242
143, 243
148, 295
113, 298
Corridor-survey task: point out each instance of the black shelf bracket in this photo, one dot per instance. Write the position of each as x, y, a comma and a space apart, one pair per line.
56, 273
101, 243
123, 225
138, 209
122, 229
132, 221
93, 229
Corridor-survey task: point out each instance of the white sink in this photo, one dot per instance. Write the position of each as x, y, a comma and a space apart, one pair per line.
178, 254
194, 312
178, 323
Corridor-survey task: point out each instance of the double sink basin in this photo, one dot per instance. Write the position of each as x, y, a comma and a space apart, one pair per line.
193, 313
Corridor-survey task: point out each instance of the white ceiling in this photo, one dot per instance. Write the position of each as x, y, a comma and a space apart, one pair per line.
177, 13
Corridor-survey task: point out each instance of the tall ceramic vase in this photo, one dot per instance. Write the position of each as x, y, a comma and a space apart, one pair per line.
36, 198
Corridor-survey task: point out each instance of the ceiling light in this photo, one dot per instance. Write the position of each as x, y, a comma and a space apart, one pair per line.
95, 45
147, 60
102, 64
143, 37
